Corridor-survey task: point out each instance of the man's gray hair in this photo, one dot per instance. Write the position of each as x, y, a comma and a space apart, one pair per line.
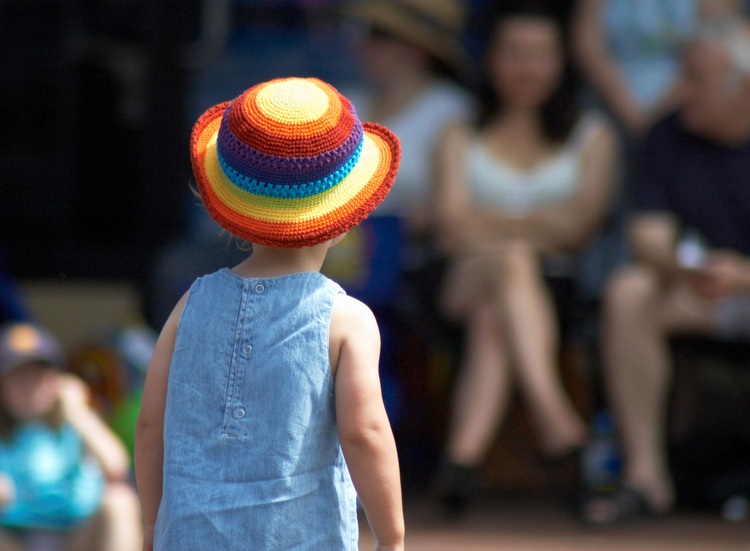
733, 34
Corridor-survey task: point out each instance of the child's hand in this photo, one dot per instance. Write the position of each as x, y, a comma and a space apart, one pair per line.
99, 441
7, 490
72, 396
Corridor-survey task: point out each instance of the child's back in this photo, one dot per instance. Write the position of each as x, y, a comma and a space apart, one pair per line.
263, 416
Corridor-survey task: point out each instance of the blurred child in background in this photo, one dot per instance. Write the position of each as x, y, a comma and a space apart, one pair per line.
62, 470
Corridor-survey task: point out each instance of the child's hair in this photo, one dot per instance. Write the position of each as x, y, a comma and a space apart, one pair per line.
241, 244
289, 164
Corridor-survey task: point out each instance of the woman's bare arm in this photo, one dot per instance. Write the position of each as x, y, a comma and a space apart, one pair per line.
597, 65
569, 224
452, 202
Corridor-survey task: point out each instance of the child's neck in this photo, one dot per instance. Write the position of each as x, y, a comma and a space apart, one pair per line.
273, 262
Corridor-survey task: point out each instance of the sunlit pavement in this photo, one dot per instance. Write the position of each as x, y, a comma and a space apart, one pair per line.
537, 524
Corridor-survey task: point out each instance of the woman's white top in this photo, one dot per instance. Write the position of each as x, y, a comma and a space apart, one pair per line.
495, 184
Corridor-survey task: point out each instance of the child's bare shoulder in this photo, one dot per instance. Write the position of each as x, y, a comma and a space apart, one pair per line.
353, 330
351, 315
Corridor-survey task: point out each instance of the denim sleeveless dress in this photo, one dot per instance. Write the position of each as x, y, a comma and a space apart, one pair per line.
252, 459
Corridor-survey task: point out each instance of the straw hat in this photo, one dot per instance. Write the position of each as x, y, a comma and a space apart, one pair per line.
289, 164
433, 25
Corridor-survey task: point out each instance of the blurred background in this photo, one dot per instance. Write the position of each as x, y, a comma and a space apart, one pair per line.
100, 232
98, 102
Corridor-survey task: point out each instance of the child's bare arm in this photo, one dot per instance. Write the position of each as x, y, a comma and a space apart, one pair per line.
364, 430
149, 432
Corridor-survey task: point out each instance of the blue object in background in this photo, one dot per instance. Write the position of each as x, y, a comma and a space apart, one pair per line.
367, 263
12, 307
602, 459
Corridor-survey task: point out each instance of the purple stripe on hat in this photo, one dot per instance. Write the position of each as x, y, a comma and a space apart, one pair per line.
295, 191
263, 167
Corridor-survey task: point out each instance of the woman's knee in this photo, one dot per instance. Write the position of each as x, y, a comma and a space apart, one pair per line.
484, 321
630, 291
518, 261
467, 286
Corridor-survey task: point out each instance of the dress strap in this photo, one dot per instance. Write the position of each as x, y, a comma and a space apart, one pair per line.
588, 126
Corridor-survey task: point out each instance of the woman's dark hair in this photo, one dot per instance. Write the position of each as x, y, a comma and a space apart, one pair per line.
560, 112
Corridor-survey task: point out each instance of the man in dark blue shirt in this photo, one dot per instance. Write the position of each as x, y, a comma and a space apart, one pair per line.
690, 236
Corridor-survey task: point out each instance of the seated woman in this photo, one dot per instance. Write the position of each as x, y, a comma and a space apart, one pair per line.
530, 183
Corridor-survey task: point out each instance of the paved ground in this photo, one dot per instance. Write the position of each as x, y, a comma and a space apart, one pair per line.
535, 524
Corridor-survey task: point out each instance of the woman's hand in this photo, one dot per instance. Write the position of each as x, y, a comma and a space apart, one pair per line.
723, 273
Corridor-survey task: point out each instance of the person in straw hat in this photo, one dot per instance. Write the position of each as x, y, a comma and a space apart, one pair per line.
418, 96
262, 409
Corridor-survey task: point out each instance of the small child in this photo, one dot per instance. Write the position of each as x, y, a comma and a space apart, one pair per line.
262, 400
63, 472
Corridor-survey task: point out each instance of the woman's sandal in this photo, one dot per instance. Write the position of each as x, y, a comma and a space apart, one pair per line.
624, 504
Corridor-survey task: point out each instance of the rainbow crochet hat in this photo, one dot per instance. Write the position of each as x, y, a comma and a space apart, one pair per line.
289, 164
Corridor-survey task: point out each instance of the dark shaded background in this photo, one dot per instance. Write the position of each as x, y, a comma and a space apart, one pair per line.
93, 131
97, 98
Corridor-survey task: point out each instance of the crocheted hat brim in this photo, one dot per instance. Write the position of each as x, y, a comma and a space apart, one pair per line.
293, 222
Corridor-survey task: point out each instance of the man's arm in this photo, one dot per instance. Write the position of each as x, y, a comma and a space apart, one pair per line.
654, 236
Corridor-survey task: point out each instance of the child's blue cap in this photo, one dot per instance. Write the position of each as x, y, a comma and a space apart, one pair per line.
22, 343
